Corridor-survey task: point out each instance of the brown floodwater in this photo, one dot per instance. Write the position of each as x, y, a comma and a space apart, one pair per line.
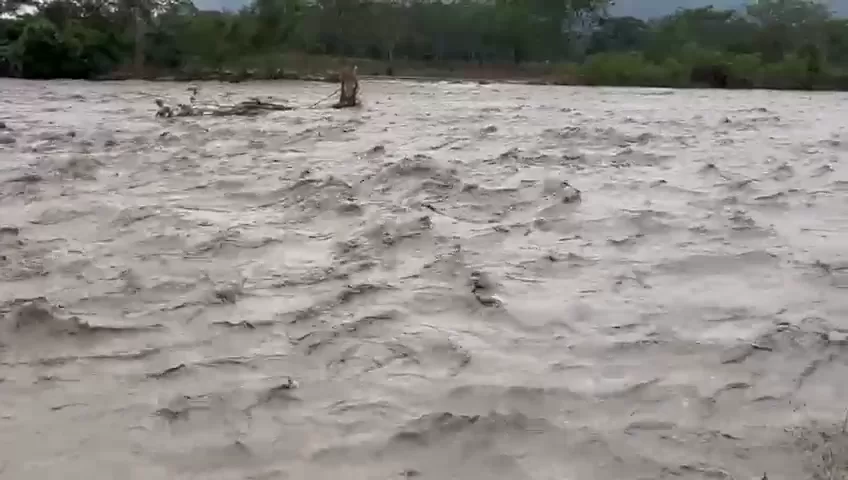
455, 281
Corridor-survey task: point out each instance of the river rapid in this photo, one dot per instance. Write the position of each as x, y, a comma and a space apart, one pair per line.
455, 281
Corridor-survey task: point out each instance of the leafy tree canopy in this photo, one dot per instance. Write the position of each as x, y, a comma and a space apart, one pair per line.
776, 43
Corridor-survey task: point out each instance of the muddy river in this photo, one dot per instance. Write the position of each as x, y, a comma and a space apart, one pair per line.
455, 281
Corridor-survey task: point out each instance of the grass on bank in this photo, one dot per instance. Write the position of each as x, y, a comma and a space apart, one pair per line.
695, 69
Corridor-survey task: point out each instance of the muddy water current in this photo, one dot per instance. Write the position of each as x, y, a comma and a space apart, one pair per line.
455, 281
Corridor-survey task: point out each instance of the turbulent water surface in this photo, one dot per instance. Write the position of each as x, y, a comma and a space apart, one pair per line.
417, 289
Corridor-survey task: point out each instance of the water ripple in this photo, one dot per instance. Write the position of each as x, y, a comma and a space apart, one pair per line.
456, 281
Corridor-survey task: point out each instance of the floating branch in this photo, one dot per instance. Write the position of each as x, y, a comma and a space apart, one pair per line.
254, 106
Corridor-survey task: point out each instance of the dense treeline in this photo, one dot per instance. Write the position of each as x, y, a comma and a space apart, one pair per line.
774, 43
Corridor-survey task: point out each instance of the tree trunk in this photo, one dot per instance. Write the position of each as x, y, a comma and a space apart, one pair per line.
138, 60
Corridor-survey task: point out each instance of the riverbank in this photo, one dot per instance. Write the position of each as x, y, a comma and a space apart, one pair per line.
324, 69
627, 70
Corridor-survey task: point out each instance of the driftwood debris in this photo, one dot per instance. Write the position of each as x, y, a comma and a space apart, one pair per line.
348, 97
348, 88
252, 106
163, 110
248, 107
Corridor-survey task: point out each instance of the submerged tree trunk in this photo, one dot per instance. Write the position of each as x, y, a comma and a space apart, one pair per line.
349, 89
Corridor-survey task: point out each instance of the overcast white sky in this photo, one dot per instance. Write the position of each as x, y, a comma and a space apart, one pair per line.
655, 8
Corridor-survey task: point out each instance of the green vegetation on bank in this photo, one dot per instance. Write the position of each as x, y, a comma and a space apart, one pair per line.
793, 44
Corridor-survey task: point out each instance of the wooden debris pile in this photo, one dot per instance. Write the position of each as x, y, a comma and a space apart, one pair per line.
348, 97
252, 106
248, 107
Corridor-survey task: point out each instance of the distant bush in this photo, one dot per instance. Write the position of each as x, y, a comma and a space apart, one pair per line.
43, 51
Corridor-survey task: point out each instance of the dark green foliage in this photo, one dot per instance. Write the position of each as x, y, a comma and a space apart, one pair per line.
774, 43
